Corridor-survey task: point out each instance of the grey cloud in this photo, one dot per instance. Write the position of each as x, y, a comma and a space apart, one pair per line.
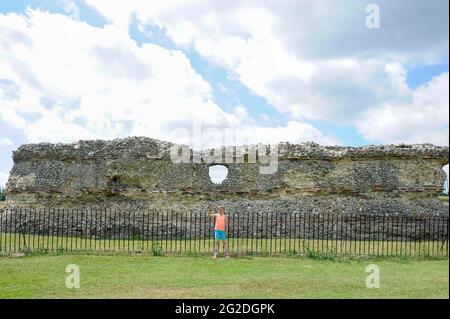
322, 29
335, 94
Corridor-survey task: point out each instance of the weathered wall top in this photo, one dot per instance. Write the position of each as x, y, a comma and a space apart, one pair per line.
152, 148
139, 172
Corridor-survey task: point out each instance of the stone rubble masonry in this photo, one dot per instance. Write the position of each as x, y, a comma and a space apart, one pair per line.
137, 173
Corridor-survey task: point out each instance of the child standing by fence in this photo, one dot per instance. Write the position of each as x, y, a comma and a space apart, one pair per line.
220, 230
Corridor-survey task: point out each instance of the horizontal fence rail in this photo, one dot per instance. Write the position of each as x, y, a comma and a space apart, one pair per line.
169, 232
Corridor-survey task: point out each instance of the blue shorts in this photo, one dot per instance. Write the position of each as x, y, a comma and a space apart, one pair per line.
219, 235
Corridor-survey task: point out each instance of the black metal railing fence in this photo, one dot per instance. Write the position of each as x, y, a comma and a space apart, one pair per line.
172, 232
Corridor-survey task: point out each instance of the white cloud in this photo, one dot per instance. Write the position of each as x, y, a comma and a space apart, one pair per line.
424, 117
314, 60
3, 179
4, 141
66, 80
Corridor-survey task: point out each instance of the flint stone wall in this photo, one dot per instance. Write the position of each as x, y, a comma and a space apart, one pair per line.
138, 173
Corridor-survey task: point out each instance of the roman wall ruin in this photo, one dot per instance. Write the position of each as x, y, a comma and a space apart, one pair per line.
139, 173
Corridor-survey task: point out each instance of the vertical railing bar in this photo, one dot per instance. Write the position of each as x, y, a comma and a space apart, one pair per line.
428, 236
70, 213
257, 232
11, 236
252, 226
185, 218
362, 234
75, 229
170, 235
94, 234
433, 236
446, 237
231, 234
372, 234
50, 230
394, 237
82, 215
68, 228
247, 217
380, 220
159, 217
336, 231
8, 235
175, 236
205, 232
13, 231
89, 220
326, 217
321, 231
265, 224
415, 235
387, 234
28, 226
116, 230
42, 223
180, 231
190, 230
421, 234
19, 228
341, 223
102, 230
317, 233
284, 215
271, 232
26, 235
294, 246
401, 234
195, 231
8, 212
50, 219
356, 218
411, 235
61, 230
113, 224
142, 230
2, 229
153, 227
133, 234
333, 232
39, 224
238, 231
440, 234
32, 231
84, 221
120, 231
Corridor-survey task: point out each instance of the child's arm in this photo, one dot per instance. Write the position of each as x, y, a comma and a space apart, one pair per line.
209, 212
226, 224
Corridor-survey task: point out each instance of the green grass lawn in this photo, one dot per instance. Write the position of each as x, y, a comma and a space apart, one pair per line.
201, 277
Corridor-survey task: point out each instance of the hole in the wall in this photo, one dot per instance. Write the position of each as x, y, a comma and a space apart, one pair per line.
114, 180
218, 173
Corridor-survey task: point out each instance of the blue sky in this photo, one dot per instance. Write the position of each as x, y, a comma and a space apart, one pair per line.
268, 71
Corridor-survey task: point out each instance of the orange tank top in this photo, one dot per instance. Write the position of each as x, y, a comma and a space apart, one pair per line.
220, 222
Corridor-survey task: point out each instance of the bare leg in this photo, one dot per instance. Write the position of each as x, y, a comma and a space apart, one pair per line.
225, 248
216, 248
